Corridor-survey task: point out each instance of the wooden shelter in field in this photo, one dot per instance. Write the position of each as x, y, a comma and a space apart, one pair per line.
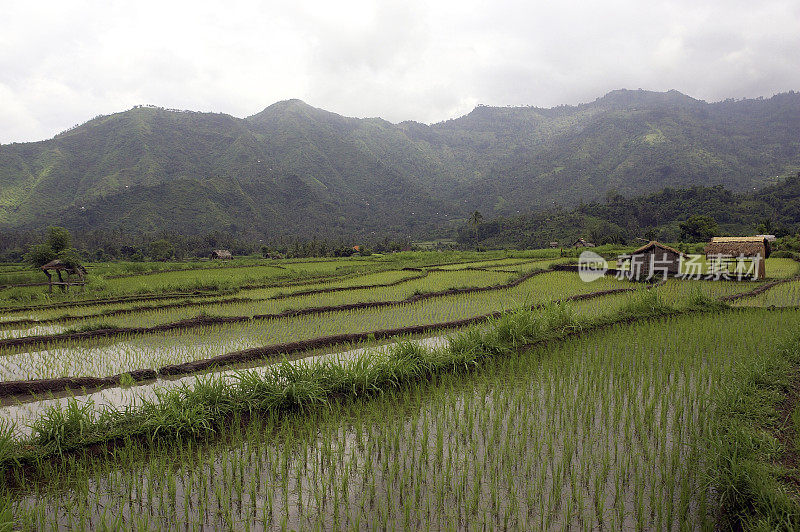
581, 243
740, 251
76, 275
222, 254
654, 258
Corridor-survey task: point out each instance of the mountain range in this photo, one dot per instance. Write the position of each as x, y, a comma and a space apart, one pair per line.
293, 169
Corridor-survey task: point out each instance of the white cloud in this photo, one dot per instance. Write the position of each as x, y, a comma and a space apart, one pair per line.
63, 62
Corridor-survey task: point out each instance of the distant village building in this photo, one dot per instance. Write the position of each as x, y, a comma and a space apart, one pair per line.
739, 251
654, 258
581, 243
222, 254
553, 244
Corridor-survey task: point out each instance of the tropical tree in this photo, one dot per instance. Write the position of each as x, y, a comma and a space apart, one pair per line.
162, 250
59, 239
475, 219
39, 254
698, 229
57, 245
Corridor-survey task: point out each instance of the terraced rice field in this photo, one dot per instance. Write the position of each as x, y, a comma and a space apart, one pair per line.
128, 352
782, 295
492, 405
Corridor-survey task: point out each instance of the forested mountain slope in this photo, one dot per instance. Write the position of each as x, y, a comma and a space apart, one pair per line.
296, 169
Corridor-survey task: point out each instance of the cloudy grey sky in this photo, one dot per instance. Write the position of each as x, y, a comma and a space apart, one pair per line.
61, 63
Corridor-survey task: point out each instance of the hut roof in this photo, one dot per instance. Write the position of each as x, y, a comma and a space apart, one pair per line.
734, 246
53, 265
659, 245
222, 254
721, 239
58, 265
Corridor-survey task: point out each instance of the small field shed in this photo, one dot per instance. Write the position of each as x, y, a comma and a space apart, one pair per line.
222, 254
734, 250
76, 275
651, 259
581, 243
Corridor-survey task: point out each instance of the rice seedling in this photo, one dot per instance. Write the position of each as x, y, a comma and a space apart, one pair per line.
608, 429
782, 295
19, 276
528, 266
279, 302
497, 263
157, 283
207, 278
712, 289
189, 279
108, 356
781, 268
611, 422
36, 330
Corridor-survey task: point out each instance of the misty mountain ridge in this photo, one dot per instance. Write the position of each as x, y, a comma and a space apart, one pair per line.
296, 169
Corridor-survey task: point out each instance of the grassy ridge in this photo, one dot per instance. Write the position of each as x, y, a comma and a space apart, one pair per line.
756, 492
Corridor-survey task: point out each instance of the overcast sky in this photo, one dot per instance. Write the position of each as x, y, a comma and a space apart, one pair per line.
62, 63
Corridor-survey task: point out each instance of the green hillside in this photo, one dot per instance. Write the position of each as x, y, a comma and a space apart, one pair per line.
773, 210
293, 169
629, 142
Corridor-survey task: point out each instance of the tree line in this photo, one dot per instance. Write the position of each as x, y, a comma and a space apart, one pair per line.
38, 248
672, 215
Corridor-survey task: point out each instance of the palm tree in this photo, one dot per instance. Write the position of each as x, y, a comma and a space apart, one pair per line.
475, 220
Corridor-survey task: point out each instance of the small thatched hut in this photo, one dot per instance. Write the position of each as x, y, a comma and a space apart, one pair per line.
653, 258
58, 267
222, 254
581, 243
736, 249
